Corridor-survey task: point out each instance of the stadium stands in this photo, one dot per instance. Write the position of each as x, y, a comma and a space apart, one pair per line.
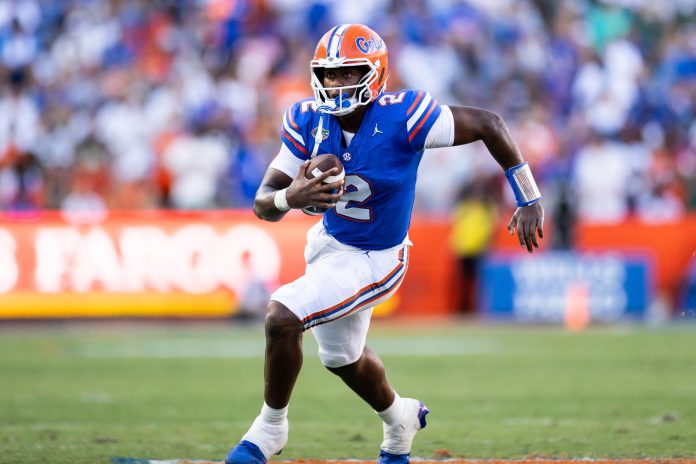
137, 104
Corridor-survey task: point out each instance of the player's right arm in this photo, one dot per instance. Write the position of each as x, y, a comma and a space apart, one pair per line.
285, 185
279, 192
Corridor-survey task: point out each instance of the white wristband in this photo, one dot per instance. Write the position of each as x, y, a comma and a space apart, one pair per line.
522, 183
280, 200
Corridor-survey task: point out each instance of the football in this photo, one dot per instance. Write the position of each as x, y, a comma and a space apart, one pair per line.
322, 163
318, 165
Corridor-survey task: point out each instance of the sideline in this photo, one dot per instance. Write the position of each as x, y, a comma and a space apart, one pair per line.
432, 461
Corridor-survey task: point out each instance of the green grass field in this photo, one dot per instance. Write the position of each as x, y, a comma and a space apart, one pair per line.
86, 393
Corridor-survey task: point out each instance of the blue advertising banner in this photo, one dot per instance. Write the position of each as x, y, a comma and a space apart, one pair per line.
547, 286
688, 300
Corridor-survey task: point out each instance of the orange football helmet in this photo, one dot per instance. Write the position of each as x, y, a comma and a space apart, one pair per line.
349, 45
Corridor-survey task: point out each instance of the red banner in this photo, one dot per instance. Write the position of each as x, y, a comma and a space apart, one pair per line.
201, 264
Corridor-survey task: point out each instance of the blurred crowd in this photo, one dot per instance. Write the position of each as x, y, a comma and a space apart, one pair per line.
177, 104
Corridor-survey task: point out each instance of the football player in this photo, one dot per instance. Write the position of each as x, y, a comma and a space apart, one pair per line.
357, 255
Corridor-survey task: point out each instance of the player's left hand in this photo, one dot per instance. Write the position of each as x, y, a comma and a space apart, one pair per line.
528, 220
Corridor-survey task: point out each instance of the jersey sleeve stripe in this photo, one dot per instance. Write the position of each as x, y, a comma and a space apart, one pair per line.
415, 102
292, 121
418, 128
292, 132
291, 140
419, 112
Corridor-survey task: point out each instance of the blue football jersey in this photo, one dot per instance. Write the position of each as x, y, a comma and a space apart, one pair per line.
381, 164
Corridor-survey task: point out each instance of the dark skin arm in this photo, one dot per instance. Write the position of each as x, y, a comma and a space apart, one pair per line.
302, 192
473, 124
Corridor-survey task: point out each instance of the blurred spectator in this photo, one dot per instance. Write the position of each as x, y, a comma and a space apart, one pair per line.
22, 185
19, 47
195, 161
564, 215
664, 196
601, 179
82, 201
20, 123
474, 224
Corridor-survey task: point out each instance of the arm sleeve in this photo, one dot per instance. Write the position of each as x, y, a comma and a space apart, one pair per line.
422, 114
286, 162
441, 134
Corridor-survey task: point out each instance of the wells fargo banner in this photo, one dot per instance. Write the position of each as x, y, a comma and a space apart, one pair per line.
174, 264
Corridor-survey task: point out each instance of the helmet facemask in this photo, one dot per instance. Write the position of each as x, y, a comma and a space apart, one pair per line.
350, 96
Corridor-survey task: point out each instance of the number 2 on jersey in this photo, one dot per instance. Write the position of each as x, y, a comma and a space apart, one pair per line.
391, 99
356, 190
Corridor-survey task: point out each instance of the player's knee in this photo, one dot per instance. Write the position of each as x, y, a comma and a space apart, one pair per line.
281, 322
338, 360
